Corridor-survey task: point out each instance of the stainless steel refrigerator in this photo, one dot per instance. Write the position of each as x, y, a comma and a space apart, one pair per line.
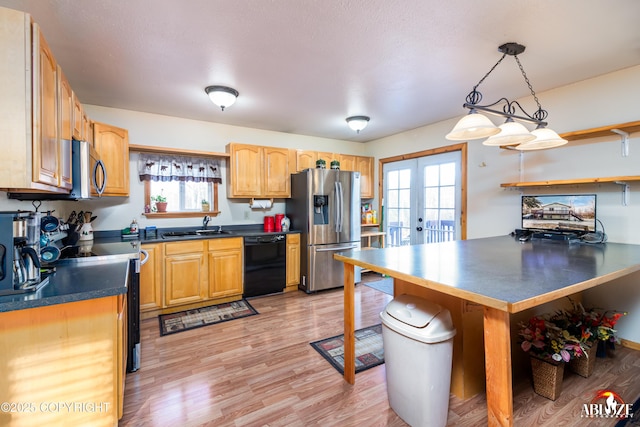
325, 207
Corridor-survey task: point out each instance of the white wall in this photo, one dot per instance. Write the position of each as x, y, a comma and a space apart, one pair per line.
491, 210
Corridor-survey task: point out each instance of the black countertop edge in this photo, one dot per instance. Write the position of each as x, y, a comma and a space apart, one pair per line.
74, 282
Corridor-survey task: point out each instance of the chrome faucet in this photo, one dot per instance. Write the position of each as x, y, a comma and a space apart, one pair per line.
205, 221
219, 229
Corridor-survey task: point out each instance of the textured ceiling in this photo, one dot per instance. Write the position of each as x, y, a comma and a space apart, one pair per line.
303, 66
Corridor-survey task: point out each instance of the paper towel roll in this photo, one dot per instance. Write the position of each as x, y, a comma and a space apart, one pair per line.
261, 203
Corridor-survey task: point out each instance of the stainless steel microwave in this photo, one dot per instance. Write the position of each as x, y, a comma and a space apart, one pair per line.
89, 176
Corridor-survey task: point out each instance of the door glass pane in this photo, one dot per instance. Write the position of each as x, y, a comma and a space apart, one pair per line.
448, 174
447, 197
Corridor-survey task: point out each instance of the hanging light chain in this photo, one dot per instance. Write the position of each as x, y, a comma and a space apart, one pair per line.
540, 114
474, 96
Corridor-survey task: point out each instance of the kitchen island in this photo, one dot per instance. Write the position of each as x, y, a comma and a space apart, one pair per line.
500, 274
64, 346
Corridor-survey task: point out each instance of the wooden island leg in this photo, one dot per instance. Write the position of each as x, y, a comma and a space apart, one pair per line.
349, 324
497, 352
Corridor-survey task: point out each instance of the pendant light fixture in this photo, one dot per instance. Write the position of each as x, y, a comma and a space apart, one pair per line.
358, 123
222, 96
511, 133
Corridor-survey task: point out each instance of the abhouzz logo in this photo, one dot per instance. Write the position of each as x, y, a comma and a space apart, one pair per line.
607, 404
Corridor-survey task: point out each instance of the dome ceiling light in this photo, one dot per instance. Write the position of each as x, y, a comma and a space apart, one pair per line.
358, 123
222, 96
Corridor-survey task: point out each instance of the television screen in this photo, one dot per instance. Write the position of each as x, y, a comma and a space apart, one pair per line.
564, 213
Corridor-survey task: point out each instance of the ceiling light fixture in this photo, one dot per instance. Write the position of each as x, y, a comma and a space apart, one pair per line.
222, 96
357, 123
510, 133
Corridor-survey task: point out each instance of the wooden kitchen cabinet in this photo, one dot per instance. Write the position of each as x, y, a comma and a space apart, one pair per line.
364, 165
112, 144
257, 171
122, 352
293, 262
185, 272
65, 128
68, 353
46, 146
32, 160
306, 159
151, 279
225, 267
78, 116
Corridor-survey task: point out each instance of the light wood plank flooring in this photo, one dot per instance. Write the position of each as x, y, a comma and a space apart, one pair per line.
261, 371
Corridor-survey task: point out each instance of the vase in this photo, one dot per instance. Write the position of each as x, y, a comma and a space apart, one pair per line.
162, 206
584, 365
547, 377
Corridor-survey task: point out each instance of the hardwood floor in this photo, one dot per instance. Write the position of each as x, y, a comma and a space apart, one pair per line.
261, 370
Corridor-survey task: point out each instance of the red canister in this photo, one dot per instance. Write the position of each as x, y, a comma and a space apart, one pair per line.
269, 224
278, 225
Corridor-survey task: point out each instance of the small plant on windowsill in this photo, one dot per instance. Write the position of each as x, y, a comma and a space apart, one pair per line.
205, 205
160, 203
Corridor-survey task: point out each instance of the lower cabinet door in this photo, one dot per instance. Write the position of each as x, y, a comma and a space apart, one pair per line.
185, 279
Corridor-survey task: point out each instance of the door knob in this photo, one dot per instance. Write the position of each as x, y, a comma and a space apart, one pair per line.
419, 228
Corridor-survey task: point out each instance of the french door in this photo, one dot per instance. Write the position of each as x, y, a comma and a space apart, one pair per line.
423, 199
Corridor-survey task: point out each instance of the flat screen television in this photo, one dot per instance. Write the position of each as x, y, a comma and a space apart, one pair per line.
568, 213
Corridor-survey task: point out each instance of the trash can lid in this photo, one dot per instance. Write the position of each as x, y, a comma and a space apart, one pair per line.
418, 319
412, 310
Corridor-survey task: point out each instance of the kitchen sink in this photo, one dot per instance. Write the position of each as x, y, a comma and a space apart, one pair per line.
202, 232
178, 234
208, 232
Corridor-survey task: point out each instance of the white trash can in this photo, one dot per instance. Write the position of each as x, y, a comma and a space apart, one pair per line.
417, 336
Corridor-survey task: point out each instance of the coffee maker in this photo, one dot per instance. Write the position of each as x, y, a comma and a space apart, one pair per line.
20, 252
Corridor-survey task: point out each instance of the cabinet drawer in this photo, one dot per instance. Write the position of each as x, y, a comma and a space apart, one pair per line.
225, 243
175, 248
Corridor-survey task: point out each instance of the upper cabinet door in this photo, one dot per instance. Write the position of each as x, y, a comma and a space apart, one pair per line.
277, 179
112, 144
305, 160
245, 170
46, 151
65, 120
364, 165
78, 124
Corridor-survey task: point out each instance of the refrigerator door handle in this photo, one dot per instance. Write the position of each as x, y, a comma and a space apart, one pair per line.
337, 249
339, 206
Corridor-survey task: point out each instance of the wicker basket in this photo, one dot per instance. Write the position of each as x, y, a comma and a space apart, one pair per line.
547, 377
583, 366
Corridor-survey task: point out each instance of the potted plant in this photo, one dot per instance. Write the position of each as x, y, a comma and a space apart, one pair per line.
205, 205
160, 202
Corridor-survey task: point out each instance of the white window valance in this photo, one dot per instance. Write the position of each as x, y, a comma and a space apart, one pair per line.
154, 167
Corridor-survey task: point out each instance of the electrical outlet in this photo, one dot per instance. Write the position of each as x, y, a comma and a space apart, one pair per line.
246, 214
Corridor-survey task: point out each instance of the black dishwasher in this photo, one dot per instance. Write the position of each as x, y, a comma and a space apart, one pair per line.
265, 264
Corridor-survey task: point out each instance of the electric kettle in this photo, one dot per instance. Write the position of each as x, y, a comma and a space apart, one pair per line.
23, 258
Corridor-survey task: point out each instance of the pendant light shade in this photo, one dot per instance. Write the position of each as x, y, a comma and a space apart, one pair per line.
545, 138
357, 123
222, 96
511, 133
472, 126
476, 126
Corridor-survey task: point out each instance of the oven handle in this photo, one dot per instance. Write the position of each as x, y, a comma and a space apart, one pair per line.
336, 249
146, 256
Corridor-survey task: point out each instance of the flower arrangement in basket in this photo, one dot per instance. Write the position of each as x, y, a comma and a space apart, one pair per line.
550, 338
598, 323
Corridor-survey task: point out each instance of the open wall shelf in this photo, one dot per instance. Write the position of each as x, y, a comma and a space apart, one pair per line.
599, 132
612, 179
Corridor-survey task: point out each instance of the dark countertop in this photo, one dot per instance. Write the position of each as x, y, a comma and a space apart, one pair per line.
74, 282
233, 231
501, 272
